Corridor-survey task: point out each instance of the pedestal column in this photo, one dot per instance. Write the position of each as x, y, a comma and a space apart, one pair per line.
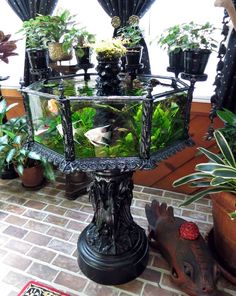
112, 249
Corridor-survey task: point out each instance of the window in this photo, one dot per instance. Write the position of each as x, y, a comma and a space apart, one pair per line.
163, 13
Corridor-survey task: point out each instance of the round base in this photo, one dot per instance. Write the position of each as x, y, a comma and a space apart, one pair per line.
230, 275
113, 269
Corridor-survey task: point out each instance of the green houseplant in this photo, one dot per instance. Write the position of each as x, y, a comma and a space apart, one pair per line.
109, 49
13, 136
84, 41
36, 46
194, 40
58, 33
229, 129
218, 178
131, 36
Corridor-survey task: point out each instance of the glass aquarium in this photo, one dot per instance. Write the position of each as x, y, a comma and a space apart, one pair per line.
108, 126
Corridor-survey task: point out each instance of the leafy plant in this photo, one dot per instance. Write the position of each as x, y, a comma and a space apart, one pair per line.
112, 48
82, 39
7, 47
50, 28
229, 129
33, 30
217, 175
130, 35
188, 36
13, 136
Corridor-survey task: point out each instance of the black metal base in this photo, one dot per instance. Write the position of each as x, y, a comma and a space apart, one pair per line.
113, 269
112, 249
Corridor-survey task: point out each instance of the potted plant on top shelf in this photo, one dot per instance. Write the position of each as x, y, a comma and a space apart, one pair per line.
131, 36
56, 32
217, 178
109, 53
36, 46
84, 41
194, 40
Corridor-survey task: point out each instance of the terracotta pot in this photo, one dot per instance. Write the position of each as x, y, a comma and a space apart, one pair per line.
225, 228
57, 53
32, 177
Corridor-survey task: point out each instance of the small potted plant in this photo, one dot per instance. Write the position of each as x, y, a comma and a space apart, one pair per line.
83, 46
217, 178
109, 53
169, 41
29, 165
194, 40
36, 47
131, 36
58, 33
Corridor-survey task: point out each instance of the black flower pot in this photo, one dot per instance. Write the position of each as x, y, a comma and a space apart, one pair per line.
176, 62
195, 61
8, 172
83, 55
134, 55
38, 59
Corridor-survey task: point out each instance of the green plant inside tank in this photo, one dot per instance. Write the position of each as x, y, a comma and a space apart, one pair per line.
121, 136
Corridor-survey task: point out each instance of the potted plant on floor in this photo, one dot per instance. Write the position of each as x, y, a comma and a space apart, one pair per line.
194, 40
29, 165
218, 178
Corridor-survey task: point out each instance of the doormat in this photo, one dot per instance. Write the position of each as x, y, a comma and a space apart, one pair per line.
37, 289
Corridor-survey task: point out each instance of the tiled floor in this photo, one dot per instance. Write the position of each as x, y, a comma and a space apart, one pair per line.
39, 232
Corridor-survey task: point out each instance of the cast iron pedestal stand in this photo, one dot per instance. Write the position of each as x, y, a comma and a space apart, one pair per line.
112, 249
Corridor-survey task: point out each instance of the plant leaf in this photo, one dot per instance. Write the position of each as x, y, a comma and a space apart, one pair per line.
224, 147
203, 193
210, 167
189, 178
34, 155
212, 156
20, 169
11, 106
232, 215
225, 173
10, 155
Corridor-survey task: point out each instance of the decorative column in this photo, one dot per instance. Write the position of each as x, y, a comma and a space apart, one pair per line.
112, 249
108, 81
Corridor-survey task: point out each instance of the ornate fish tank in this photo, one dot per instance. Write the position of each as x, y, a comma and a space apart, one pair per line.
72, 125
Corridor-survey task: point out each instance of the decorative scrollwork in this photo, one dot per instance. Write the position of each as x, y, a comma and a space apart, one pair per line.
115, 22
133, 20
112, 230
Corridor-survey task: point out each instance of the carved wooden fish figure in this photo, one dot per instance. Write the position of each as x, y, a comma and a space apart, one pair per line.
192, 267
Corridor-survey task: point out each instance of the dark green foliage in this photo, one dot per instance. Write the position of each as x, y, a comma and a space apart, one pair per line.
229, 129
